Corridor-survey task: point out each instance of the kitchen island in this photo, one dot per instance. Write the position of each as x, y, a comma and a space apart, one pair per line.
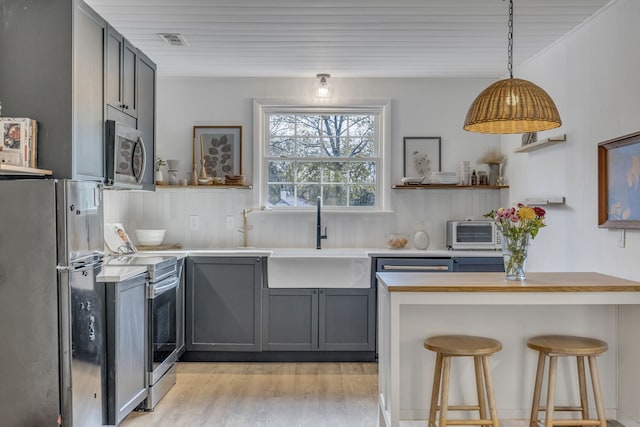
414, 306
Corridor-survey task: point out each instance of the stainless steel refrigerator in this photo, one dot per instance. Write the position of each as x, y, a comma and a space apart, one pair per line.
51, 311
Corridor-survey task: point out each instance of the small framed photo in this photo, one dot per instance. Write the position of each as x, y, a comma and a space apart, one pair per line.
217, 149
421, 155
619, 182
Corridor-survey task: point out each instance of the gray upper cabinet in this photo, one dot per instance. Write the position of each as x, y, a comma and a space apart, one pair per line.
319, 319
223, 303
146, 108
121, 81
56, 76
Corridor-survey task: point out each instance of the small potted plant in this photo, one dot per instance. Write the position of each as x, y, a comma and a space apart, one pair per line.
159, 163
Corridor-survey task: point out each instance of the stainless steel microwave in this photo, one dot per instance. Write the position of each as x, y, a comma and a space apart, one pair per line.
125, 156
473, 235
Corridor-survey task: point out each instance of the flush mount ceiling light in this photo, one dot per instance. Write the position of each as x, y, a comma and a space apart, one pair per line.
322, 91
512, 105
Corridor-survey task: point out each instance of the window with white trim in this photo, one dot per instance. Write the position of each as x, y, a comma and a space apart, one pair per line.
332, 153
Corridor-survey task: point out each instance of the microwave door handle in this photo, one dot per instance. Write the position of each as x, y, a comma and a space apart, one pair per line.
144, 161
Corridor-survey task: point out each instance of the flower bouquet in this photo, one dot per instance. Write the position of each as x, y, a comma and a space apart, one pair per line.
517, 225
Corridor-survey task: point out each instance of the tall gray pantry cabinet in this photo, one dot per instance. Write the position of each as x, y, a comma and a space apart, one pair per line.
52, 70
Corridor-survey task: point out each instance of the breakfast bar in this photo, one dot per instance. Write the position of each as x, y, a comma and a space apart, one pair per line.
414, 306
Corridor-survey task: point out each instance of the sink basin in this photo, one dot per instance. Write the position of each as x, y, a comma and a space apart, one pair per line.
324, 268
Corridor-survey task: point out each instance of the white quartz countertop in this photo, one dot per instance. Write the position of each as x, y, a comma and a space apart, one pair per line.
371, 252
119, 273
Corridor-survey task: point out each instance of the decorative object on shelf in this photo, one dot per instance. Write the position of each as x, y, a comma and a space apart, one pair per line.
238, 180
413, 180
517, 225
159, 177
494, 159
194, 169
512, 105
536, 145
397, 241
421, 155
322, 90
421, 238
619, 182
220, 150
19, 142
529, 138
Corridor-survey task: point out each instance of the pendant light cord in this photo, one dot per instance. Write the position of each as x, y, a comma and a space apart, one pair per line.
510, 45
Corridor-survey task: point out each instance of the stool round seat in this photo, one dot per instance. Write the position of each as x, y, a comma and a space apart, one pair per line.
567, 345
462, 345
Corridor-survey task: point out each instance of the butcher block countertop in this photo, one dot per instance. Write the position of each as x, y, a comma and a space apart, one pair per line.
495, 282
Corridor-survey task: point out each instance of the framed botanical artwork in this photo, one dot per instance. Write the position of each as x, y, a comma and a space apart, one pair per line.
619, 182
217, 150
421, 155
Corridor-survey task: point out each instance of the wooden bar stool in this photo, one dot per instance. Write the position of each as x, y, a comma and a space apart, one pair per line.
446, 347
564, 345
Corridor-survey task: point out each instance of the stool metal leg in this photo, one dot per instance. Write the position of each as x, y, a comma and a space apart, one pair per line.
535, 406
435, 391
480, 387
444, 396
553, 363
582, 381
597, 393
490, 397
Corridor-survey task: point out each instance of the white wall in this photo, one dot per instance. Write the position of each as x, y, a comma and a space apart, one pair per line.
592, 75
419, 107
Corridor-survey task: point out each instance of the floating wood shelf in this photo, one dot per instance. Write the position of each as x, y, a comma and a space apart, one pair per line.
541, 144
545, 200
208, 187
20, 170
447, 187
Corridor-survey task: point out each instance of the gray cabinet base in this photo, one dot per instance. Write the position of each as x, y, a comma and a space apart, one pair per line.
279, 356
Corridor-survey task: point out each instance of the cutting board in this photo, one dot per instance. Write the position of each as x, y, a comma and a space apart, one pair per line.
160, 247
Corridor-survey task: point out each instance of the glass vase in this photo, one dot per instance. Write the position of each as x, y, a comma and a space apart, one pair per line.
514, 252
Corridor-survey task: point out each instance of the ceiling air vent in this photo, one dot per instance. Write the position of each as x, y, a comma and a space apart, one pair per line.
173, 39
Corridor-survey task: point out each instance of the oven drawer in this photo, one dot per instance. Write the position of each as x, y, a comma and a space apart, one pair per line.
434, 265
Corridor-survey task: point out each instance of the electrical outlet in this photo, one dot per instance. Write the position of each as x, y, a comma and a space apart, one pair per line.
194, 222
621, 237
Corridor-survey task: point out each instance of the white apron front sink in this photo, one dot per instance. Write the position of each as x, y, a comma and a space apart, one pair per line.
323, 268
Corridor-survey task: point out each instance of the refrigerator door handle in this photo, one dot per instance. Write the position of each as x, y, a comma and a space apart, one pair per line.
79, 267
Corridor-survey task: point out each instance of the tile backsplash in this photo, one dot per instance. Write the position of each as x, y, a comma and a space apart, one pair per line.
219, 217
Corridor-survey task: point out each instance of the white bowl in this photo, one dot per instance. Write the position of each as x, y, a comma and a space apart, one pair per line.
150, 237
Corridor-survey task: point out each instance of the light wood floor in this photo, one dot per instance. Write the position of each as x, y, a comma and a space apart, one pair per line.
267, 395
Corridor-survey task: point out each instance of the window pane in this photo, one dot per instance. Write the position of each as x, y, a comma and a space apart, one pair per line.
280, 195
308, 125
334, 125
280, 171
309, 147
363, 172
334, 195
363, 195
336, 172
358, 147
281, 124
308, 172
362, 125
308, 195
281, 147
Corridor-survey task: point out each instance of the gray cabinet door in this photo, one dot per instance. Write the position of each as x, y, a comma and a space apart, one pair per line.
319, 319
290, 321
224, 304
121, 73
126, 347
347, 319
146, 108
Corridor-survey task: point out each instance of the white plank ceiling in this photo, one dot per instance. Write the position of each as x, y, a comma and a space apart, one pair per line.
347, 38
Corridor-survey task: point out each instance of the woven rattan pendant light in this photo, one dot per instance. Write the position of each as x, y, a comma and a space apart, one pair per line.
512, 105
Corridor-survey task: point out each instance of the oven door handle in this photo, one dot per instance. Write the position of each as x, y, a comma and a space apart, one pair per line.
416, 267
164, 286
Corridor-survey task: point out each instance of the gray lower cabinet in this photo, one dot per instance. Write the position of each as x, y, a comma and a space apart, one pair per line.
223, 303
126, 327
319, 319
